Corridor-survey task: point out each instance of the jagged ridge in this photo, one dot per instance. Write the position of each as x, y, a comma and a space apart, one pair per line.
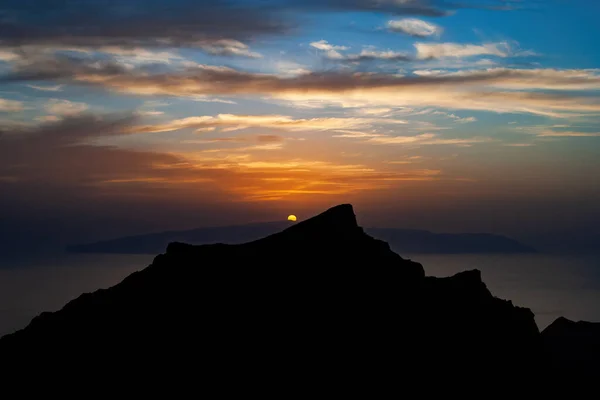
321, 296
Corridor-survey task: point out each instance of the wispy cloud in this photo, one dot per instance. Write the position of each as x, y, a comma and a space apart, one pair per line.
550, 133
454, 50
65, 107
534, 91
355, 134
56, 88
454, 117
229, 47
149, 113
426, 139
231, 122
371, 54
406, 160
331, 51
228, 174
11, 105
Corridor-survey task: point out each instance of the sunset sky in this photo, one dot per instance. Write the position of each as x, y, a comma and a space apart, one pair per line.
130, 116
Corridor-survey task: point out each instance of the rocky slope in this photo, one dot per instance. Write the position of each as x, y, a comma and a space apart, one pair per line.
318, 301
573, 348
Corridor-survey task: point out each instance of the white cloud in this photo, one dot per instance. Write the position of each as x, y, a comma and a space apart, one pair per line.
431, 65
138, 55
289, 68
57, 88
209, 99
455, 50
331, 51
149, 113
414, 27
371, 54
64, 107
465, 120
455, 117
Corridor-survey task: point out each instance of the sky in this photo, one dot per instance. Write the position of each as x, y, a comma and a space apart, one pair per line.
129, 116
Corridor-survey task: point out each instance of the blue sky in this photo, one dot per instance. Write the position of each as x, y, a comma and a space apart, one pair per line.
422, 113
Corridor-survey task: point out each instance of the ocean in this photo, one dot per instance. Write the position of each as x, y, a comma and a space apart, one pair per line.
550, 285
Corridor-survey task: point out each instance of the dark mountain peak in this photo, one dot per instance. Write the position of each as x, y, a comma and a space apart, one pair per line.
338, 222
573, 348
331, 240
563, 325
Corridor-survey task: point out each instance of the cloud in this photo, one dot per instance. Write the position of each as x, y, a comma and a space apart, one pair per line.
65, 107
426, 51
370, 54
550, 133
47, 118
228, 47
243, 139
406, 160
11, 105
231, 122
533, 91
427, 8
456, 118
331, 51
135, 55
149, 113
290, 68
374, 111
355, 134
56, 88
465, 120
64, 158
175, 23
414, 27
8, 55
426, 139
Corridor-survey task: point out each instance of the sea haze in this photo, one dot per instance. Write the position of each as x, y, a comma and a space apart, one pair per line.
551, 286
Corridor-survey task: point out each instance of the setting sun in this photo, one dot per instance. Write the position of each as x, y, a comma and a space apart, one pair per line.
292, 218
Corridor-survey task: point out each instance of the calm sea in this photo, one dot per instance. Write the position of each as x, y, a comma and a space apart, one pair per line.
550, 285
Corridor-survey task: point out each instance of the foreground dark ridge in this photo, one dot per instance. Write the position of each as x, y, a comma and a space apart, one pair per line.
321, 298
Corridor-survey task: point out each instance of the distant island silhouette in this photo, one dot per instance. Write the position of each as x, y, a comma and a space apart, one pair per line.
401, 240
319, 304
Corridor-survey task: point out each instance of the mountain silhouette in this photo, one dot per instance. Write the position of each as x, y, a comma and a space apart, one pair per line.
573, 348
320, 304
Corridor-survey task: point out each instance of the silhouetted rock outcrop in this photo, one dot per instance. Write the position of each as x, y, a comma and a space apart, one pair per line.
320, 302
573, 348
